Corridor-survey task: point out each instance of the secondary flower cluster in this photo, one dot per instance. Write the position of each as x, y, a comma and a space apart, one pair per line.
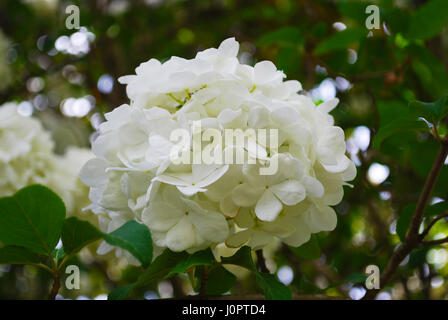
192, 206
27, 157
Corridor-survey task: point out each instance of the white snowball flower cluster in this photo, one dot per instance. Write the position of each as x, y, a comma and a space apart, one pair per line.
198, 204
27, 157
24, 150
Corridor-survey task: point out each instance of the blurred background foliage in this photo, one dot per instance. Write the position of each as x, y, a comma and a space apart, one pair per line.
68, 78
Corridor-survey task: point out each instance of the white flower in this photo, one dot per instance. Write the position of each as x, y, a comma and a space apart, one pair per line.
194, 205
62, 176
268, 193
200, 177
27, 157
181, 223
25, 150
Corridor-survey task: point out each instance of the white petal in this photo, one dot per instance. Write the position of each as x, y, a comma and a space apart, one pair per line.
313, 186
229, 47
268, 207
300, 236
228, 207
245, 195
260, 239
280, 229
181, 236
266, 71
327, 106
173, 179
322, 219
350, 173
161, 217
211, 226
93, 173
213, 176
238, 239
290, 192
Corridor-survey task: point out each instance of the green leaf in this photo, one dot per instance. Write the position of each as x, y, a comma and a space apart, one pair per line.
287, 35
120, 293
220, 281
356, 277
429, 20
404, 220
431, 111
272, 288
430, 71
32, 218
135, 238
200, 258
398, 126
76, 234
161, 266
18, 255
288, 60
436, 209
417, 257
242, 258
340, 40
309, 250
353, 10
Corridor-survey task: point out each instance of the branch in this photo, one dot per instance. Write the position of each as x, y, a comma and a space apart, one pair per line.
261, 262
204, 279
431, 224
413, 239
435, 242
55, 288
427, 190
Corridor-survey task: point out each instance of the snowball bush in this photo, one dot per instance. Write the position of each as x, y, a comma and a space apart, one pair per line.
192, 206
27, 157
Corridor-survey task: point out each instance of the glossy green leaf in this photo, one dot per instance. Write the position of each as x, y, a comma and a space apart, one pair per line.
18, 255
429, 20
417, 257
356, 278
161, 266
135, 238
242, 258
436, 209
32, 218
287, 35
273, 289
353, 10
404, 220
76, 234
340, 40
200, 258
399, 125
431, 111
220, 280
430, 71
120, 293
288, 60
